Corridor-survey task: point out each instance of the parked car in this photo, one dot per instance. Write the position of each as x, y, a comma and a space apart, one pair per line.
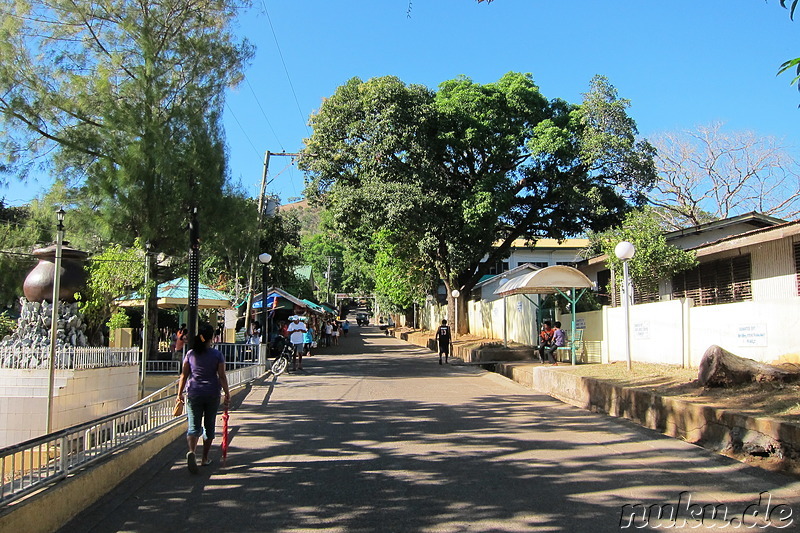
362, 319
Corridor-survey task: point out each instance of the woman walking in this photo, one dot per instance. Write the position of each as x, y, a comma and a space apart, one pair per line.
204, 372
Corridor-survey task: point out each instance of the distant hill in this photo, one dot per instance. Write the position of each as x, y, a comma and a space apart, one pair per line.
309, 216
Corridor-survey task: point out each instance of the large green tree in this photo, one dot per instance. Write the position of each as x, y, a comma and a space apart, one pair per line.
654, 261
123, 98
465, 170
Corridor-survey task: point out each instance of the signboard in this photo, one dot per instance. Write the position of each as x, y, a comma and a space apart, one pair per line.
751, 335
519, 307
580, 323
641, 330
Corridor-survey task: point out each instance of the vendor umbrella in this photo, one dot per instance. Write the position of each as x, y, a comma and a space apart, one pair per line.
224, 435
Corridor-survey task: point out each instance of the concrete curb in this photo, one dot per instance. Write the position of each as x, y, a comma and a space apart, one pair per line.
716, 429
713, 428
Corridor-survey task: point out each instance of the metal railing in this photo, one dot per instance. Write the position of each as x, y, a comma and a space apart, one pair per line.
31, 465
163, 367
67, 358
235, 352
174, 367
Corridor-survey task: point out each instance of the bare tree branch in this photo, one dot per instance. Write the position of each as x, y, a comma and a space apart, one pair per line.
711, 174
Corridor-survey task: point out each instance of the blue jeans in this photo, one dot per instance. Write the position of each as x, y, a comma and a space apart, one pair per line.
202, 412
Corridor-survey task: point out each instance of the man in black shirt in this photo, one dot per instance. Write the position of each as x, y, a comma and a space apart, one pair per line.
443, 338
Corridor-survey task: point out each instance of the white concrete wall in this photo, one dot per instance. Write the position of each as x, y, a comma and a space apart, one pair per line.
766, 331
78, 396
657, 332
669, 332
518, 312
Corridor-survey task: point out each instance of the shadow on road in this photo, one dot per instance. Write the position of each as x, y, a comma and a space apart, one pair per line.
455, 451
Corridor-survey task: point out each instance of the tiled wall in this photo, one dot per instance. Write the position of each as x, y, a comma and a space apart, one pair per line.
79, 396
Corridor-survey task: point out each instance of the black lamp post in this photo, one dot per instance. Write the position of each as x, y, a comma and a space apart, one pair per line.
264, 259
146, 333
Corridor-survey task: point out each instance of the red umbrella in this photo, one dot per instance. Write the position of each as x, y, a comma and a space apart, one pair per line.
224, 435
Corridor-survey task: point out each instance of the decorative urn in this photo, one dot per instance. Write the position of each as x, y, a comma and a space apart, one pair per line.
38, 286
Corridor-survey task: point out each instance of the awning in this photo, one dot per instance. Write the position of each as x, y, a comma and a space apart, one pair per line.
278, 294
548, 280
559, 279
175, 294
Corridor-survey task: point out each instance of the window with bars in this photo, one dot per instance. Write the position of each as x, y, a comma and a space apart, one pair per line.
717, 282
797, 265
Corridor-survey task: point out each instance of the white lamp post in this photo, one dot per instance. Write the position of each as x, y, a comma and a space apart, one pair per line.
455, 294
54, 317
624, 252
264, 259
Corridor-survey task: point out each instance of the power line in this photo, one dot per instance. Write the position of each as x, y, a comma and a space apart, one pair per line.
280, 53
265, 114
243, 130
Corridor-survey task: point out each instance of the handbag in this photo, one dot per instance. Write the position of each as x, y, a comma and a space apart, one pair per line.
178, 411
314, 344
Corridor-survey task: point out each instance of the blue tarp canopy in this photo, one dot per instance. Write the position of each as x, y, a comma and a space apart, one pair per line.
277, 299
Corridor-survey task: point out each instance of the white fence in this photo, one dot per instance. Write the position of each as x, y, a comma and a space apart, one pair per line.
670, 332
68, 358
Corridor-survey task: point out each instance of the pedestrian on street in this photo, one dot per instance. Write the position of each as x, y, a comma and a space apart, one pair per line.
345, 327
308, 339
443, 339
202, 375
297, 332
180, 342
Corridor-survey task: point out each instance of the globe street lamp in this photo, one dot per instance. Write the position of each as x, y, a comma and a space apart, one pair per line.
455, 294
264, 259
624, 252
54, 317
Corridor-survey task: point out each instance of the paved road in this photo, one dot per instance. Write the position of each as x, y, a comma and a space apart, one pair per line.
374, 435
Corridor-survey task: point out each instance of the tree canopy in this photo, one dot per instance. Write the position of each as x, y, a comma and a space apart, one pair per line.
122, 98
654, 259
465, 170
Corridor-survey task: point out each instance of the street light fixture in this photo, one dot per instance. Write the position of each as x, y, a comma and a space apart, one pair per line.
264, 259
54, 316
455, 294
625, 252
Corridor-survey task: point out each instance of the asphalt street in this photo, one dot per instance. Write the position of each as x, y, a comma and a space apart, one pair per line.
375, 435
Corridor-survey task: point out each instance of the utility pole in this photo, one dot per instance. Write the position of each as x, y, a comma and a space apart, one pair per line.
328, 277
261, 206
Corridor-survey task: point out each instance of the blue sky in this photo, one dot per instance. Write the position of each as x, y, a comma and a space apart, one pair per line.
682, 63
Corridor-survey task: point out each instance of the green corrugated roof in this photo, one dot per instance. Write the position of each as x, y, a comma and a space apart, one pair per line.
303, 272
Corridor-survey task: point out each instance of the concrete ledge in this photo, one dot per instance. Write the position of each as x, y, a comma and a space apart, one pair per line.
471, 351
717, 429
49, 509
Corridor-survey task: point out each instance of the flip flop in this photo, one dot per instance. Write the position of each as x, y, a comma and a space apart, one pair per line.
191, 462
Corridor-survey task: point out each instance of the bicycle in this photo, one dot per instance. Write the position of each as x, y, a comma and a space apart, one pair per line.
281, 362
